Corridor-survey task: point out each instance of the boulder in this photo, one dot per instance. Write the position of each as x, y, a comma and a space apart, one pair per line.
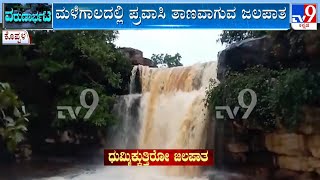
311, 123
291, 49
301, 163
237, 147
314, 145
286, 144
136, 57
244, 54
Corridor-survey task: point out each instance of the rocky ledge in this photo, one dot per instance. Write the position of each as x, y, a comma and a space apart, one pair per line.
136, 57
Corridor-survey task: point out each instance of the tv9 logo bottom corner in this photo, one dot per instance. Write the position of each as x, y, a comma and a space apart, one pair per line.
74, 112
233, 113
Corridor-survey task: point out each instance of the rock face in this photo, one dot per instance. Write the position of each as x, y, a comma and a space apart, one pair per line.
307, 164
239, 56
136, 57
287, 144
286, 154
287, 48
314, 145
298, 151
295, 153
237, 147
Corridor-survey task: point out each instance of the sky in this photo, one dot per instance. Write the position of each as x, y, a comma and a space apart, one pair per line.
193, 45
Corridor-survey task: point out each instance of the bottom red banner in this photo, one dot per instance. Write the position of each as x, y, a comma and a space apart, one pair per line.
158, 157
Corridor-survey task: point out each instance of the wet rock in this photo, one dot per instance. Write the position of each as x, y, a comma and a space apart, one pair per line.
24, 152
238, 158
314, 145
50, 140
66, 137
262, 158
237, 147
307, 164
307, 129
306, 176
287, 144
285, 174
262, 173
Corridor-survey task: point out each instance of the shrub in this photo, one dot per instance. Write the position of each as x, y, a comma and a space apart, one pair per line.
280, 95
13, 121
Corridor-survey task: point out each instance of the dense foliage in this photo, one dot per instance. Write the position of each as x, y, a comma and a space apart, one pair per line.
293, 81
13, 121
71, 61
171, 61
280, 95
56, 69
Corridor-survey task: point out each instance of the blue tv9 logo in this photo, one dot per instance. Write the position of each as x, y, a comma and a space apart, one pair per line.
304, 17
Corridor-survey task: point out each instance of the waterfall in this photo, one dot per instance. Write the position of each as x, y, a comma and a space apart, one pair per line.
132, 85
171, 113
168, 113
123, 135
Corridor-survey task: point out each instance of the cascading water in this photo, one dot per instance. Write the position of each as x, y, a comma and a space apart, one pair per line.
169, 113
173, 113
124, 134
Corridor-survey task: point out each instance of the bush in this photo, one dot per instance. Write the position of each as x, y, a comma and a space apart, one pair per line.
280, 95
13, 121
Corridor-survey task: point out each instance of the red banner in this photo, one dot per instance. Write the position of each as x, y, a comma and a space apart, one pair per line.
158, 157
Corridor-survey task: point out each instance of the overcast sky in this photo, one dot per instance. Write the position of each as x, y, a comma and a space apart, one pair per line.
193, 45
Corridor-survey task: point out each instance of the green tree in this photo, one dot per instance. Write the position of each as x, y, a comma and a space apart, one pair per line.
229, 37
71, 61
13, 121
65, 63
171, 61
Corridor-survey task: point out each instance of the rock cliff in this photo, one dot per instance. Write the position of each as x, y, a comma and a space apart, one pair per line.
283, 153
136, 57
288, 49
